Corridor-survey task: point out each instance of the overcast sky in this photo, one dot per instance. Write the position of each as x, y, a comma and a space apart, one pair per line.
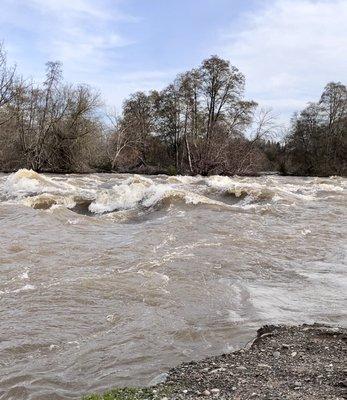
288, 49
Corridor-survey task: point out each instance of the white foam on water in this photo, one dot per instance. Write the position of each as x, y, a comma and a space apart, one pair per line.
73, 221
143, 193
23, 289
48, 200
227, 269
25, 182
138, 192
184, 179
120, 197
270, 188
25, 275
41, 192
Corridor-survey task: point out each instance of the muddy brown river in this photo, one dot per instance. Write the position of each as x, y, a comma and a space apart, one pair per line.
109, 280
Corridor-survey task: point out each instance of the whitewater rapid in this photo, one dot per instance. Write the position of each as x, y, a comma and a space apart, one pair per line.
136, 192
110, 279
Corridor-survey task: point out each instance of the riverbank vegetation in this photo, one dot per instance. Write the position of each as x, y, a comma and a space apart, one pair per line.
199, 124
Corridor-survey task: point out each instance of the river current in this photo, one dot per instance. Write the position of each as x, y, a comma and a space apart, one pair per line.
110, 280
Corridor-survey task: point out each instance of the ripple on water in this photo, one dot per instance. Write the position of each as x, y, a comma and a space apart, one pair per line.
110, 279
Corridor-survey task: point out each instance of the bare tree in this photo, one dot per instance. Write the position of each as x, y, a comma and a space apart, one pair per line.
264, 127
7, 79
201, 123
121, 139
317, 141
222, 86
54, 122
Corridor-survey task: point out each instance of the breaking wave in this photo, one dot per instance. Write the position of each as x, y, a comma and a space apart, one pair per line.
97, 194
25, 182
125, 197
41, 192
100, 262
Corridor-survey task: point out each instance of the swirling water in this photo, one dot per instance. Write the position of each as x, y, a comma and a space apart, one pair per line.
109, 279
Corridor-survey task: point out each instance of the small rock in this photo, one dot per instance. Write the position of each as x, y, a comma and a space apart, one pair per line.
214, 371
285, 346
185, 391
215, 391
276, 354
294, 353
206, 392
297, 383
264, 366
161, 378
328, 330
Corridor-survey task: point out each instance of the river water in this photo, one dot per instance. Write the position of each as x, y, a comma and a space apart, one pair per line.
109, 280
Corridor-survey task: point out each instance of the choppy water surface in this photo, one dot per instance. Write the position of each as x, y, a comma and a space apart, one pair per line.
108, 280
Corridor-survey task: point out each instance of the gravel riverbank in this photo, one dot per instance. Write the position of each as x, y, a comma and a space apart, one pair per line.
283, 362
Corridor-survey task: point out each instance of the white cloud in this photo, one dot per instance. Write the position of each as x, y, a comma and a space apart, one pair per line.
69, 7
79, 31
86, 36
289, 50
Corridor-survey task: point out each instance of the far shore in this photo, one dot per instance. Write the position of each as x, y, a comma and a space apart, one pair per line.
164, 172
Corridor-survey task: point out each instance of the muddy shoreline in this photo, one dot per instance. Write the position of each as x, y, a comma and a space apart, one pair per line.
282, 362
